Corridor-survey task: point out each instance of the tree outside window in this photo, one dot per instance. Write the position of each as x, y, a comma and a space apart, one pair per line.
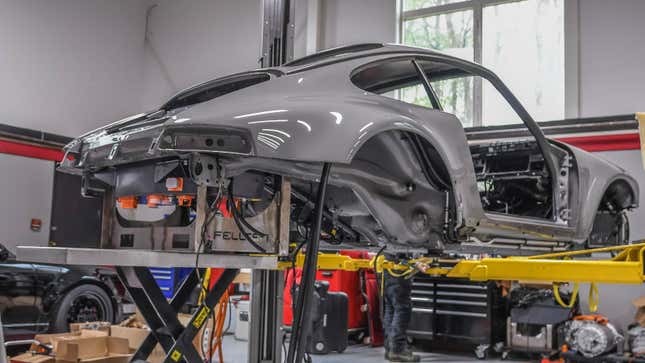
522, 41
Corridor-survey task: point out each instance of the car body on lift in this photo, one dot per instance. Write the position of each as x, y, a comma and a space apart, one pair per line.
39, 298
404, 172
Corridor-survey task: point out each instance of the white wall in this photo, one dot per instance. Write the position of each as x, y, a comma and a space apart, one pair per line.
26, 194
193, 41
67, 66
346, 22
612, 76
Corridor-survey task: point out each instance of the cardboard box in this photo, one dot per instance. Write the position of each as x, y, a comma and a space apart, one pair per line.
92, 325
54, 339
640, 310
136, 336
32, 358
93, 350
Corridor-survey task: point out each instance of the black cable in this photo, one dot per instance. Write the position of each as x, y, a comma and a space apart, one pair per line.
378, 283
304, 304
236, 218
241, 217
239, 221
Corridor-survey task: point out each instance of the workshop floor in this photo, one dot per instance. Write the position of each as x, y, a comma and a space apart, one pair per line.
236, 351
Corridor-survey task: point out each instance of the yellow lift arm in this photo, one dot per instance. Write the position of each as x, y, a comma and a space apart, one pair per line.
625, 268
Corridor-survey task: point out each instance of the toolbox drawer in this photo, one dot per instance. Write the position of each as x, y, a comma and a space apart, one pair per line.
461, 310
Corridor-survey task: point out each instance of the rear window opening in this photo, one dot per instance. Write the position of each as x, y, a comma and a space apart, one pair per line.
213, 89
334, 52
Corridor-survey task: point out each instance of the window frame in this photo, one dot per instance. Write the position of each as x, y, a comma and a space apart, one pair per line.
478, 70
477, 7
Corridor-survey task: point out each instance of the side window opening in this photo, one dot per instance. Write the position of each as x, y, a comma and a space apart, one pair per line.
396, 79
512, 177
213, 89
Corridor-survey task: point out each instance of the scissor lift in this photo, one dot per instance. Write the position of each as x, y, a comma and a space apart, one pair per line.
626, 267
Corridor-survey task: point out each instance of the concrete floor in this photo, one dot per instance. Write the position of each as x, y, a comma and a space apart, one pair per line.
236, 351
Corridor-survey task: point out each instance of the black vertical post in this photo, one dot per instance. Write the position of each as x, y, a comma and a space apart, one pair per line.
302, 314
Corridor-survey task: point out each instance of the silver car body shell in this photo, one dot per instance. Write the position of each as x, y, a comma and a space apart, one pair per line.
319, 115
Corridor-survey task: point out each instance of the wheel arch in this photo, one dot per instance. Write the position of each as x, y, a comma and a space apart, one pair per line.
86, 280
620, 192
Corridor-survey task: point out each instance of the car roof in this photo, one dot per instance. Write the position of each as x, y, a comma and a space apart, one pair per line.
349, 52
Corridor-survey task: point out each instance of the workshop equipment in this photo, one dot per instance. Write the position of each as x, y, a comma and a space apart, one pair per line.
592, 336
625, 267
636, 340
329, 323
169, 278
348, 282
535, 321
243, 318
374, 322
458, 312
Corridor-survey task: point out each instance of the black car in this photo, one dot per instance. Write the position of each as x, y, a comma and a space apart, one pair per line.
38, 298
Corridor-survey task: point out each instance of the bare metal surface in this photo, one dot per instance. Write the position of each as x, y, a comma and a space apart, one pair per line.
90, 256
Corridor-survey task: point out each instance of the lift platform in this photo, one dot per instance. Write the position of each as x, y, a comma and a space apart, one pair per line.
625, 267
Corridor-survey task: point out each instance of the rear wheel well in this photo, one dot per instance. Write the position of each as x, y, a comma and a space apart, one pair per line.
611, 224
419, 186
619, 195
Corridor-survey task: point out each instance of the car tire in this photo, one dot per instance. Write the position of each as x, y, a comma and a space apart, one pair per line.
81, 304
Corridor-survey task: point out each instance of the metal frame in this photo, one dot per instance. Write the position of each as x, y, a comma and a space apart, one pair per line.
3, 352
161, 316
125, 257
278, 32
476, 6
627, 267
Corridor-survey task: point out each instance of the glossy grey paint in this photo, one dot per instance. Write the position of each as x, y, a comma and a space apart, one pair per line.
596, 175
314, 113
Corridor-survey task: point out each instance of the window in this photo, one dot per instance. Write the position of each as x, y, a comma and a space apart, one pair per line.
454, 87
450, 88
397, 79
522, 41
215, 88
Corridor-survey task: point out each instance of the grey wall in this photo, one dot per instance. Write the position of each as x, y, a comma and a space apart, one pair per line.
192, 41
357, 21
68, 66
25, 193
612, 77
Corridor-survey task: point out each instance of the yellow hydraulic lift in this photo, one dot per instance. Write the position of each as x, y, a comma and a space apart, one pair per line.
626, 267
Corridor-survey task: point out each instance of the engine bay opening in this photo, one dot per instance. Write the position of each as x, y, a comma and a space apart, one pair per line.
512, 178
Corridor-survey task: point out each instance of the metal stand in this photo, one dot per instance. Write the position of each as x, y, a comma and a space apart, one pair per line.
3, 352
161, 316
265, 335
